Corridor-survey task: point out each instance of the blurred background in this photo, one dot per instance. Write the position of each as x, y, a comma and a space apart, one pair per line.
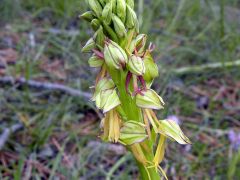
48, 126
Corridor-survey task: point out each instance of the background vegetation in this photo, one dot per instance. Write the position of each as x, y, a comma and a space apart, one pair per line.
50, 131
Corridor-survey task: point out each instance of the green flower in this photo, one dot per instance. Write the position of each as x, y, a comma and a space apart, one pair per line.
102, 85
132, 132
149, 100
89, 46
136, 65
114, 55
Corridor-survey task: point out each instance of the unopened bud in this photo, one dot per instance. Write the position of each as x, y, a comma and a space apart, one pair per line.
151, 69
107, 13
95, 23
132, 46
95, 61
119, 26
149, 100
111, 33
102, 2
114, 55
140, 43
95, 7
99, 37
88, 16
131, 18
114, 5
130, 3
121, 9
89, 46
136, 65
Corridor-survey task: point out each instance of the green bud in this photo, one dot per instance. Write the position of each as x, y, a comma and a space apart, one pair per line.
109, 100
88, 16
89, 46
132, 132
99, 37
114, 5
151, 69
102, 85
119, 26
107, 13
149, 100
95, 62
140, 43
136, 65
115, 56
95, 7
121, 9
95, 23
110, 32
131, 18
132, 46
130, 3
102, 2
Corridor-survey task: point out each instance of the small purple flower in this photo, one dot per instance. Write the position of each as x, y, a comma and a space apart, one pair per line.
174, 118
234, 139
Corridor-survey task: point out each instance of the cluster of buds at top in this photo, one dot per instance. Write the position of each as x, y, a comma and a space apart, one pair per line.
127, 71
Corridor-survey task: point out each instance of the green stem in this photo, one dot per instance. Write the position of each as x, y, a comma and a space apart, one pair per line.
133, 113
154, 175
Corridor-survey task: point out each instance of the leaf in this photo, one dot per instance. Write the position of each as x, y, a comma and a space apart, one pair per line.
172, 130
